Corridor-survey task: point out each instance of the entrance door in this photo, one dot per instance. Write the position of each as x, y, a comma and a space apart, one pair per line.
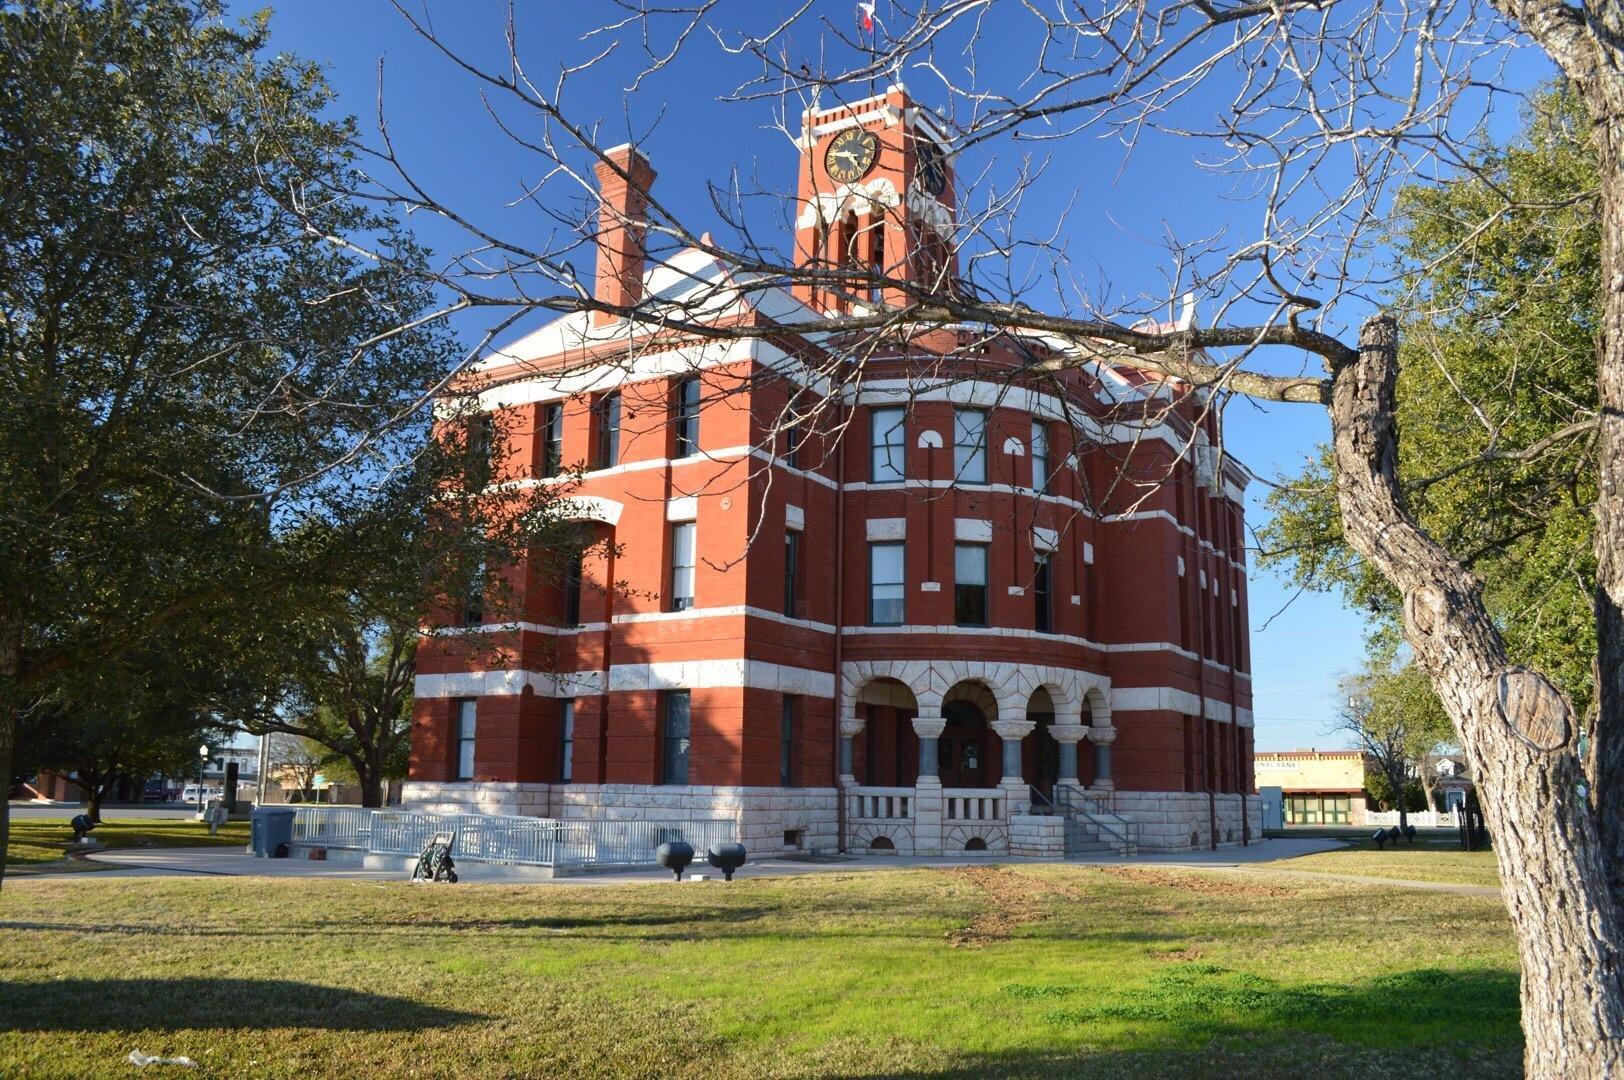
961, 753
1047, 752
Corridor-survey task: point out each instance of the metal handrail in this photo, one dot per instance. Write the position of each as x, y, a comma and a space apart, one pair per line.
1036, 797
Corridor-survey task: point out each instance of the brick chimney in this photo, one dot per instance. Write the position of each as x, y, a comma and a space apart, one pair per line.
623, 195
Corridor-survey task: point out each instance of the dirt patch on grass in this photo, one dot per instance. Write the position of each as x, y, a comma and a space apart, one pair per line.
1188, 952
1015, 901
1210, 884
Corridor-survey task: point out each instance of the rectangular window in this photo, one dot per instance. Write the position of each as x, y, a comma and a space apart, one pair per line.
566, 740
552, 439
970, 584
682, 566
466, 708
1042, 587
885, 584
792, 569
1040, 456
572, 592
481, 460
606, 432
792, 440
970, 446
676, 725
887, 445
687, 418
786, 741
473, 601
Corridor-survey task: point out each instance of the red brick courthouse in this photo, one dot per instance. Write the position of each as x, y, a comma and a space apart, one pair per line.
959, 610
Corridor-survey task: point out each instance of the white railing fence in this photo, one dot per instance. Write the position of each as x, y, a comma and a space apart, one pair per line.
491, 838
972, 804
881, 803
1421, 819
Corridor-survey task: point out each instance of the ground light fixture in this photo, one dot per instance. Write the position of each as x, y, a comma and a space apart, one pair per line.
675, 855
726, 858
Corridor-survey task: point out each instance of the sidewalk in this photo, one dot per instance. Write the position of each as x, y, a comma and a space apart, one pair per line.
230, 862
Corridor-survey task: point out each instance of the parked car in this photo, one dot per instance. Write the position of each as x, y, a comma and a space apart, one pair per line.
189, 793
158, 791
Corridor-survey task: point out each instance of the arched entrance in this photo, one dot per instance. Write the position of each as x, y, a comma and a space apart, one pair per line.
1040, 758
965, 755
886, 752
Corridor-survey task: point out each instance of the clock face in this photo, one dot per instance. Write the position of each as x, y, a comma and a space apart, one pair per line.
851, 155
932, 167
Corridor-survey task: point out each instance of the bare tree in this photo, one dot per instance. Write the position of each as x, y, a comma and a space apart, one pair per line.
1310, 111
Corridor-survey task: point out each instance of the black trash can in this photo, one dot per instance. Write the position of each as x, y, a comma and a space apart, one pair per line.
270, 831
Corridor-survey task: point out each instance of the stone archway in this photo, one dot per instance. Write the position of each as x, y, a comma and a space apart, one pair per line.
1040, 753
885, 748
966, 754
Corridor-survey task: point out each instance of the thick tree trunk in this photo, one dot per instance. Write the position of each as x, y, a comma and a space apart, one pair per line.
1517, 733
1609, 512
1426, 786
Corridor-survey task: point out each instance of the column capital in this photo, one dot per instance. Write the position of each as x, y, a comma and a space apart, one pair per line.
1102, 736
929, 727
1068, 733
1013, 730
851, 726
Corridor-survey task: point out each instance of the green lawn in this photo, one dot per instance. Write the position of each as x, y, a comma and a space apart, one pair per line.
39, 845
1418, 863
1031, 971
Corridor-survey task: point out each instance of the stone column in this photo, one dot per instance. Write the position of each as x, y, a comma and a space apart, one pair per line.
851, 726
1102, 738
1068, 736
927, 803
929, 729
1017, 796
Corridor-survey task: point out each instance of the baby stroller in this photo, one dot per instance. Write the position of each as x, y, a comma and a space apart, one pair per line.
435, 863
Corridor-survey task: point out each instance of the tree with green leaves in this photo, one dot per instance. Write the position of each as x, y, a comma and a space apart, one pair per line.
208, 400
1497, 350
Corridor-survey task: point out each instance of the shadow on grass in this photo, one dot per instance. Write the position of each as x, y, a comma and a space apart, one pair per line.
203, 1003
1428, 1006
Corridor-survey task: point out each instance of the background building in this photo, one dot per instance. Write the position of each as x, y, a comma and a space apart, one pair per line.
970, 583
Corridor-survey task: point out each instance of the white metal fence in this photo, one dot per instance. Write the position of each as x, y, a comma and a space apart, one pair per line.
1421, 819
491, 838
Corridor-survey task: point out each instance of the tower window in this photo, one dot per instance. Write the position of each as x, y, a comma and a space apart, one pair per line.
572, 592
606, 431
970, 446
467, 710
786, 740
792, 570
566, 740
1040, 456
686, 409
676, 726
682, 566
552, 439
1042, 589
887, 445
970, 584
885, 584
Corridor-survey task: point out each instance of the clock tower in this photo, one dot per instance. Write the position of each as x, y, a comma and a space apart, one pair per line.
875, 200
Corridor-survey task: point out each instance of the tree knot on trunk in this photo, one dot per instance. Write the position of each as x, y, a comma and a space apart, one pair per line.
1535, 710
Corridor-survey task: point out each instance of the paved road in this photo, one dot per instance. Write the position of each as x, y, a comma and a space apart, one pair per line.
232, 862
63, 811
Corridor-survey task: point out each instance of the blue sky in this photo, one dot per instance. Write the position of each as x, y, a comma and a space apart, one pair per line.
1119, 210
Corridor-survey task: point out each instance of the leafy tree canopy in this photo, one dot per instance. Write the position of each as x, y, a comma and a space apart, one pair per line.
1498, 348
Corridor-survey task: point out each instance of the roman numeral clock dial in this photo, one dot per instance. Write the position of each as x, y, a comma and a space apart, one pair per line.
851, 155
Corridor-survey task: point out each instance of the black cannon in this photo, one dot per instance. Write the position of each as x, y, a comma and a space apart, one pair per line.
82, 824
675, 855
726, 858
